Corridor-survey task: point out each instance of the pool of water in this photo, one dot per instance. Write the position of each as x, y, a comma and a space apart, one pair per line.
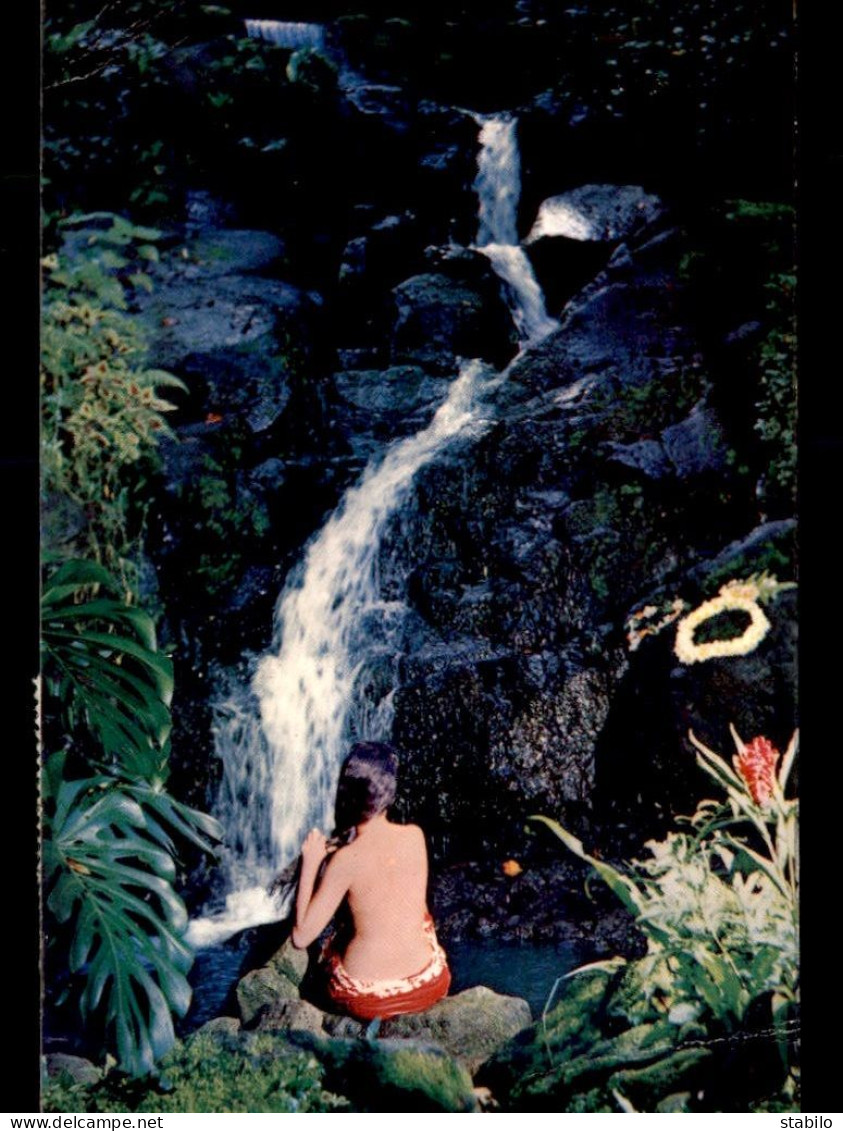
527, 970
522, 969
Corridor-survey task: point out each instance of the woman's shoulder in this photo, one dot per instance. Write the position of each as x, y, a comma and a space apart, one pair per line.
409, 831
412, 837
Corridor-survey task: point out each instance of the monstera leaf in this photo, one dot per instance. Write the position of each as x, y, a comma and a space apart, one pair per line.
109, 870
101, 662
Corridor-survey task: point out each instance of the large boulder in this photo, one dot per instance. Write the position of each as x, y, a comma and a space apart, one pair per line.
392, 1075
77, 1068
602, 213
439, 319
288, 1014
237, 336
291, 962
234, 251
470, 1025
397, 396
263, 989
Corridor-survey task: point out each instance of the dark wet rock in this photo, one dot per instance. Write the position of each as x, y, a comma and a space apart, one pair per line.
189, 316
231, 251
262, 989
647, 456
400, 391
287, 1014
546, 902
371, 264
470, 1025
596, 213
185, 456
760, 549
381, 100
80, 1070
257, 586
603, 484
250, 380
696, 444
611, 325
220, 1025
269, 475
204, 210
438, 320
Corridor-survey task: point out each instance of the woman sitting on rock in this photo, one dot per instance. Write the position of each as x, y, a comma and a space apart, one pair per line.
392, 962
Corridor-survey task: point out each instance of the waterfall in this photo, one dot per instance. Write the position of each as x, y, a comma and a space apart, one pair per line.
330, 676
282, 739
286, 34
498, 188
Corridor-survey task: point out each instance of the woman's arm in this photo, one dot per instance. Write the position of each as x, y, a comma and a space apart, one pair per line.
314, 911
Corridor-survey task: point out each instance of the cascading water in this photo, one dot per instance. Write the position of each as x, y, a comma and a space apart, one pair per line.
281, 763
284, 33
498, 187
281, 739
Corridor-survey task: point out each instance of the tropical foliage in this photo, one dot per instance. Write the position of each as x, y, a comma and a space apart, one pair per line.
113, 919
210, 1072
102, 663
109, 855
108, 863
718, 908
101, 411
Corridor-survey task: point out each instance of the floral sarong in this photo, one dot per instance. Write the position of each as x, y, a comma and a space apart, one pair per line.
388, 997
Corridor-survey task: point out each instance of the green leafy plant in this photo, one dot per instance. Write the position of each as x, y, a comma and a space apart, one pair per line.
109, 860
215, 1072
101, 661
101, 410
718, 908
232, 520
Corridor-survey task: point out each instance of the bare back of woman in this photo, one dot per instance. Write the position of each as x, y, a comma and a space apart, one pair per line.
393, 962
383, 874
386, 896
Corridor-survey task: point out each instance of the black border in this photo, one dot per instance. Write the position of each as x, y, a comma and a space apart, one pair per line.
19, 288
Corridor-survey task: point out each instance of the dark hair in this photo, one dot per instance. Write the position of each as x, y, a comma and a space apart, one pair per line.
367, 783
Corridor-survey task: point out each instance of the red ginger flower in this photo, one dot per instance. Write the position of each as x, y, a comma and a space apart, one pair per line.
756, 763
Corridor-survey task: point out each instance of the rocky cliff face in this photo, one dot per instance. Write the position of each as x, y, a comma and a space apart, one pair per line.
605, 486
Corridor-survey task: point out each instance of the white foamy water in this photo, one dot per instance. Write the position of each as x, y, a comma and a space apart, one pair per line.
527, 305
284, 33
498, 188
251, 907
282, 739
332, 622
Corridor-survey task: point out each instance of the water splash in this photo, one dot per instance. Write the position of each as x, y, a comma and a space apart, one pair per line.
281, 740
284, 33
498, 188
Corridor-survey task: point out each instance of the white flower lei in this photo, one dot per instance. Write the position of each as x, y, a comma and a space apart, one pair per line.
739, 595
